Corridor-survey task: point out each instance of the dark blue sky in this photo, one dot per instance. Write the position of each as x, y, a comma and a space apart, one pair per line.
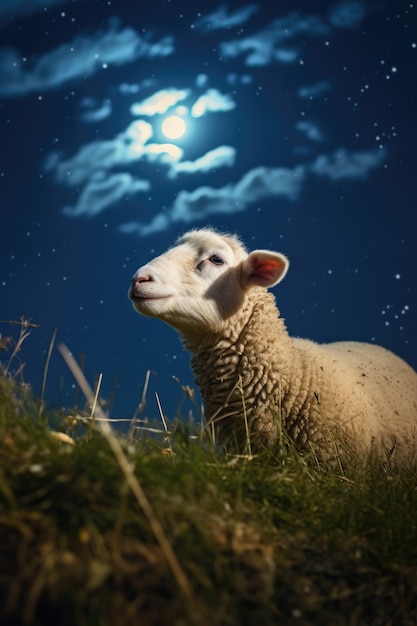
300, 136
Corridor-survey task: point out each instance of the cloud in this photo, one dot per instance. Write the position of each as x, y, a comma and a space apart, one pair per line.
237, 79
129, 88
83, 56
138, 132
133, 88
273, 43
95, 156
159, 102
157, 225
94, 111
221, 19
163, 152
342, 165
100, 155
258, 184
311, 91
348, 14
212, 100
14, 8
276, 42
219, 157
104, 155
266, 182
311, 131
102, 191
201, 80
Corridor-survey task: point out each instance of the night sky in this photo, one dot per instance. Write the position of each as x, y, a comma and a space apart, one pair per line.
299, 125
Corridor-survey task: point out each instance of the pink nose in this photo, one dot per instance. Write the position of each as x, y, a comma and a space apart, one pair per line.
141, 277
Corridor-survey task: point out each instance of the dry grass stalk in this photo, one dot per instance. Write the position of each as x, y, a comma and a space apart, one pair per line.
45, 370
141, 407
94, 405
245, 417
161, 413
25, 327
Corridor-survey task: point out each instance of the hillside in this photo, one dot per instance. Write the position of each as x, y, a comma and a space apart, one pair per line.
101, 528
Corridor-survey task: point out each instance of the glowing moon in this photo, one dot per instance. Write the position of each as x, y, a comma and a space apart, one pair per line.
173, 127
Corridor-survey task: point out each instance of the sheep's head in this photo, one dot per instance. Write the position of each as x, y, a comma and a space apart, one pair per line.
201, 281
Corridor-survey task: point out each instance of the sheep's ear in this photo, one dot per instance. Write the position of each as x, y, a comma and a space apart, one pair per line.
263, 268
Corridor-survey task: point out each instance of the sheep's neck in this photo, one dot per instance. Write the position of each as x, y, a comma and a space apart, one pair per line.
236, 368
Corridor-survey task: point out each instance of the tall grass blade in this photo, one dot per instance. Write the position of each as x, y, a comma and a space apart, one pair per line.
45, 370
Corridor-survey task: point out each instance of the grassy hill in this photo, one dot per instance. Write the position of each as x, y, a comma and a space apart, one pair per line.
98, 528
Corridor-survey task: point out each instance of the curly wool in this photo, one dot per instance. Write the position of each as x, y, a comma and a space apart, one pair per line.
349, 393
235, 369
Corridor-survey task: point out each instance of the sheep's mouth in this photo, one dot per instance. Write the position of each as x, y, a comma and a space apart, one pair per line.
147, 298
143, 297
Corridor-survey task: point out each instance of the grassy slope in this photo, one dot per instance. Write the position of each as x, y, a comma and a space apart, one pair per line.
272, 540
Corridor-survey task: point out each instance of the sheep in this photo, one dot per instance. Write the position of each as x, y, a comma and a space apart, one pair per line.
257, 383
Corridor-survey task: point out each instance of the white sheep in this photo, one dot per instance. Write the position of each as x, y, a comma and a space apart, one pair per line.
254, 378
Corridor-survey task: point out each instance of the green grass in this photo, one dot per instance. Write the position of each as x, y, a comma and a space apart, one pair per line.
275, 539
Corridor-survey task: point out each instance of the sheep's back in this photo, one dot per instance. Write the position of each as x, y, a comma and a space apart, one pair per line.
372, 389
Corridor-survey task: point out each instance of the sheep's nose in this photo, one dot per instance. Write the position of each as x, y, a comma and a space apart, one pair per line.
141, 277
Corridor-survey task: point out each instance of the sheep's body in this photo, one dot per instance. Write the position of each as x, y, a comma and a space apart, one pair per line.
254, 377
352, 393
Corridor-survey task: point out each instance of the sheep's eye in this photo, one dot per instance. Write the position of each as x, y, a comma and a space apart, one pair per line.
216, 260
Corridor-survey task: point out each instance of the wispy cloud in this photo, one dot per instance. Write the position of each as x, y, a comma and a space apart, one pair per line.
275, 41
222, 19
214, 159
348, 165
103, 191
14, 8
159, 102
312, 91
239, 79
212, 100
134, 88
310, 130
94, 111
104, 155
158, 224
83, 56
162, 152
258, 184
100, 155
349, 14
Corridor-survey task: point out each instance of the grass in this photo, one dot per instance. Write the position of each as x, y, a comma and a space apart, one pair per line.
270, 539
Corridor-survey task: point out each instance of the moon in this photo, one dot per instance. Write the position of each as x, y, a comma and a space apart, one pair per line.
173, 127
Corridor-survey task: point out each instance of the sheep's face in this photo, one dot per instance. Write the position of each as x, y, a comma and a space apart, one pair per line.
201, 282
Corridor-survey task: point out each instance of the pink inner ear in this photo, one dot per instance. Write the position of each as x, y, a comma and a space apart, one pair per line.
265, 269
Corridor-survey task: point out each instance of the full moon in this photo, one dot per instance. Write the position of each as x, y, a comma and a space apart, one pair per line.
173, 127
